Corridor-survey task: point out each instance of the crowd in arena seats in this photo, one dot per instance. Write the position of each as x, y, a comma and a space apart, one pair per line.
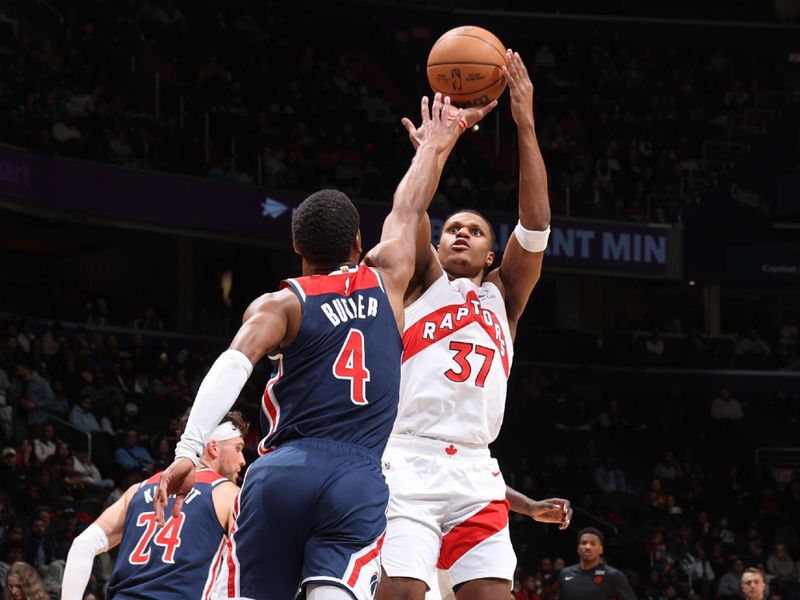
668, 476
617, 121
60, 387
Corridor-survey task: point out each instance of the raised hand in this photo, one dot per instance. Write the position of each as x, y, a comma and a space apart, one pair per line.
470, 117
178, 479
520, 87
553, 510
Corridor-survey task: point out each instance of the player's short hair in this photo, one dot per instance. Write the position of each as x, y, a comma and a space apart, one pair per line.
324, 227
233, 416
236, 418
593, 531
754, 571
492, 235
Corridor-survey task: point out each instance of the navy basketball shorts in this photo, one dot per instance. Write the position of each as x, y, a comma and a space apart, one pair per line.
312, 511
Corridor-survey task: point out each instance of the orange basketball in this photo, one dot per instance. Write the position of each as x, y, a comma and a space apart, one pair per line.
465, 64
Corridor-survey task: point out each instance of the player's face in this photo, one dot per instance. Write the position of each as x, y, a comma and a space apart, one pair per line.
465, 248
589, 547
15, 591
231, 459
753, 586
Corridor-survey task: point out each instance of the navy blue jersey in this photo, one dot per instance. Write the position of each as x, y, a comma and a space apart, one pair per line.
339, 379
176, 560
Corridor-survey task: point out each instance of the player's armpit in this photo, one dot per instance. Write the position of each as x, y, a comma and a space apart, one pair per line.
516, 277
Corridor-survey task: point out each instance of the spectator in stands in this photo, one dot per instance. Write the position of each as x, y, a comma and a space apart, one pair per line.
781, 565
52, 339
113, 421
698, 568
609, 478
6, 410
753, 344
133, 457
612, 418
528, 589
12, 477
23, 583
730, 584
655, 345
35, 395
82, 417
85, 468
25, 337
44, 445
26, 460
668, 469
725, 407
39, 545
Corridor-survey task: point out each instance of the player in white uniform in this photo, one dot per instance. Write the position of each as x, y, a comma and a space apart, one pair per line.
448, 506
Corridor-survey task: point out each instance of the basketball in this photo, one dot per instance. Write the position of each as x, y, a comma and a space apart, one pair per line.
465, 64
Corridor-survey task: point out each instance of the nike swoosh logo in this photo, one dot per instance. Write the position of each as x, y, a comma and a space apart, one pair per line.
495, 474
567, 578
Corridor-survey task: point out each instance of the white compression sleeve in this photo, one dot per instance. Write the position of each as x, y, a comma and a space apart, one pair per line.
219, 390
318, 591
80, 559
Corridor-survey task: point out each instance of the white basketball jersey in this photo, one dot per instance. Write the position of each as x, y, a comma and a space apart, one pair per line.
456, 359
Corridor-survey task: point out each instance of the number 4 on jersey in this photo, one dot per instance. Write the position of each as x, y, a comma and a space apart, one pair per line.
350, 365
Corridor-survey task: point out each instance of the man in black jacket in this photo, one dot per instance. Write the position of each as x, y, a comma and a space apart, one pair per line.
591, 578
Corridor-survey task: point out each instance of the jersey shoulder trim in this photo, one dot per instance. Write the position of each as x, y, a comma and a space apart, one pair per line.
209, 476
342, 282
153, 479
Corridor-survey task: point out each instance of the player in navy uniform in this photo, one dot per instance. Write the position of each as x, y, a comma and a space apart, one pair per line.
311, 513
181, 559
592, 578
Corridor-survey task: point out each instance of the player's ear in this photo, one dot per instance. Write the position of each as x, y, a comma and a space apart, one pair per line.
213, 449
357, 249
490, 259
295, 248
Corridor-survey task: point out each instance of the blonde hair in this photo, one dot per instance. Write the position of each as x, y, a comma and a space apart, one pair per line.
29, 581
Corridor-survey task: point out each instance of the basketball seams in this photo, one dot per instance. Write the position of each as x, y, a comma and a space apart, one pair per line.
482, 64
477, 37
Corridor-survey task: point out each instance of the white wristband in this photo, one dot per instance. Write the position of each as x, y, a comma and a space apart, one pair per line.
219, 390
531, 240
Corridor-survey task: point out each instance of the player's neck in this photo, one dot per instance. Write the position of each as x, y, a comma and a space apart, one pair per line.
206, 463
591, 564
311, 269
477, 280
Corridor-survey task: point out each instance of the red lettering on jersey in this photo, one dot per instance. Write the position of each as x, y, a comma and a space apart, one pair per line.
449, 319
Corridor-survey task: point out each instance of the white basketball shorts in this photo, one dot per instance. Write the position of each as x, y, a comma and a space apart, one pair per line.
447, 509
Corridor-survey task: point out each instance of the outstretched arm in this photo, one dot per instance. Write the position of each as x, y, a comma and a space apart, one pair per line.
552, 510
520, 268
102, 535
426, 265
269, 321
394, 255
